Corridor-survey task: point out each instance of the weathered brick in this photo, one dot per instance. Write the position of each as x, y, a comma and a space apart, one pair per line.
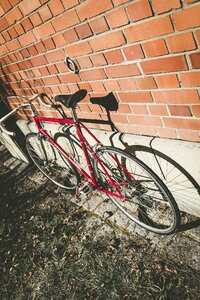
195, 60
64, 21
148, 29
189, 135
155, 48
133, 52
135, 97
99, 25
122, 70
93, 8
181, 42
83, 31
190, 79
184, 123
167, 81
161, 6
180, 110
138, 10
167, 64
145, 120
187, 18
117, 18
176, 96
107, 41
114, 56
14, 16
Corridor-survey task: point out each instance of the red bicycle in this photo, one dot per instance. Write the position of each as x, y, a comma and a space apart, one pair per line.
132, 186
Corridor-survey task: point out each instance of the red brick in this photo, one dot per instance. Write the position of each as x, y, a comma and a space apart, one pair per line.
93, 74
198, 35
179, 110
114, 56
51, 80
176, 96
62, 68
56, 7
145, 120
189, 135
118, 2
155, 48
167, 81
45, 13
92, 8
124, 109
141, 9
27, 39
127, 84
28, 6
117, 18
135, 97
83, 31
181, 42
59, 40
111, 85
49, 44
6, 5
98, 60
195, 60
84, 62
3, 24
161, 6
70, 35
2, 12
13, 45
184, 123
40, 47
35, 19
149, 29
55, 56
139, 109
43, 31
122, 70
99, 25
145, 83
39, 61
12, 32
6, 36
97, 86
187, 18
167, 133
27, 25
167, 64
68, 19
19, 29
78, 49
14, 16
191, 1
196, 110
158, 110
190, 79
66, 78
70, 3
52, 69
133, 52
109, 40
3, 50
44, 71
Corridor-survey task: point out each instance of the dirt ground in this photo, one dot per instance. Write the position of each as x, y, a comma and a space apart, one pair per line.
53, 249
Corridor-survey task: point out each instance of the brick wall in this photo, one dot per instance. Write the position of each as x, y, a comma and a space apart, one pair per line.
146, 52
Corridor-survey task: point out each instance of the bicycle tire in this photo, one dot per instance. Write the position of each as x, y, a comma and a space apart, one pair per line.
142, 203
51, 162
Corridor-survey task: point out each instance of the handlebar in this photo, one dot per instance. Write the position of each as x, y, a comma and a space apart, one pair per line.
24, 105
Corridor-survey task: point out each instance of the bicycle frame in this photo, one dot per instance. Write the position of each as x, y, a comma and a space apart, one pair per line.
86, 148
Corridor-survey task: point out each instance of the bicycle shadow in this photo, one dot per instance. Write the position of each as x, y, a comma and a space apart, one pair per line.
180, 182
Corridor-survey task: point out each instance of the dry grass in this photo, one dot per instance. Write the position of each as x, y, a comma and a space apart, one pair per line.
49, 250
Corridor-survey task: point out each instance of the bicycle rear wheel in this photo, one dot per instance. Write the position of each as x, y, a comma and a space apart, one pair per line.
51, 162
147, 201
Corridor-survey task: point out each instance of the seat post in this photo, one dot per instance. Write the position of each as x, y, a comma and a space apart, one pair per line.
74, 115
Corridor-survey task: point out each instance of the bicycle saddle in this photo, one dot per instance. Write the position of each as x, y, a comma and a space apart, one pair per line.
109, 102
71, 100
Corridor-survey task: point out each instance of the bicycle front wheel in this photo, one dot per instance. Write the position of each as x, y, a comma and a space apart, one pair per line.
51, 162
147, 201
